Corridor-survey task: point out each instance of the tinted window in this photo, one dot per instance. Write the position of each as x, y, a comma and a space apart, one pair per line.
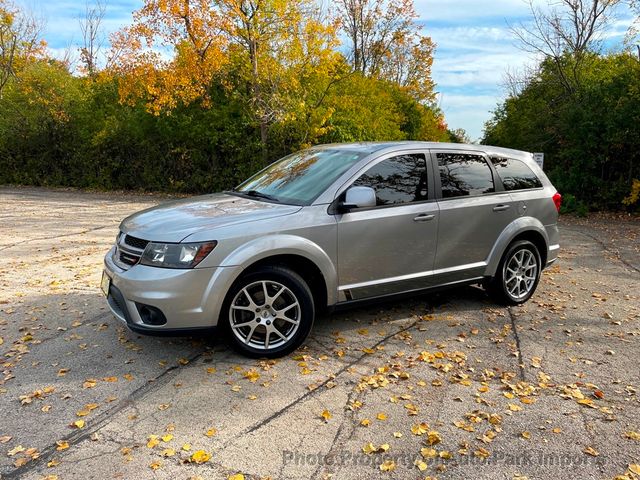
397, 180
515, 174
462, 174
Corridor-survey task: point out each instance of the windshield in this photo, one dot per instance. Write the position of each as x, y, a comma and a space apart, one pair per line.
301, 177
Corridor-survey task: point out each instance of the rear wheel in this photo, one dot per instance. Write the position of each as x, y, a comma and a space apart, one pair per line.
518, 274
269, 312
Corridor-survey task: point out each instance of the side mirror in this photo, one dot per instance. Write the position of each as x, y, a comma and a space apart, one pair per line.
358, 197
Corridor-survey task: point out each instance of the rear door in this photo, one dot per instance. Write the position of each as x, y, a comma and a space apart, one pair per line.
391, 247
474, 210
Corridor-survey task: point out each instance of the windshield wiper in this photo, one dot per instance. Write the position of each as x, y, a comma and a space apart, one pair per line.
258, 194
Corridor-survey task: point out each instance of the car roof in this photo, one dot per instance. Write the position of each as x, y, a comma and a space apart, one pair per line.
376, 147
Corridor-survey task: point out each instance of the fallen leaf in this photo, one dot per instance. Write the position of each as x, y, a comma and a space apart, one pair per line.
388, 466
78, 424
326, 415
200, 456
62, 445
381, 416
591, 451
155, 465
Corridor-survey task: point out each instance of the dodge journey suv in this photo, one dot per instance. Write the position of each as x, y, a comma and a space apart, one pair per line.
330, 226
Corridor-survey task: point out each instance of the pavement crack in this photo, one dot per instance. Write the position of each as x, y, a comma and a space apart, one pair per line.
313, 392
521, 370
29, 240
78, 436
615, 253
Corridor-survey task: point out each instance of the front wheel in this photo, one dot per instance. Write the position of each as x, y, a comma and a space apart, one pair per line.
518, 274
268, 312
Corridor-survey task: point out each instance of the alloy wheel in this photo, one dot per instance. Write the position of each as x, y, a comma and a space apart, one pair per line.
264, 315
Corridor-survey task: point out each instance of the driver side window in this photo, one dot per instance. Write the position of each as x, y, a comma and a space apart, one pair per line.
397, 180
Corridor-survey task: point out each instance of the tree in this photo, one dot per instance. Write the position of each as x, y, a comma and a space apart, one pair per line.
565, 31
19, 41
385, 42
90, 28
170, 54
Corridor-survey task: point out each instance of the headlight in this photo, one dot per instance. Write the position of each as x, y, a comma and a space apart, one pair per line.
176, 255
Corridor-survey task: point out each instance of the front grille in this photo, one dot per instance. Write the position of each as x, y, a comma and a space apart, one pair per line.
135, 242
128, 251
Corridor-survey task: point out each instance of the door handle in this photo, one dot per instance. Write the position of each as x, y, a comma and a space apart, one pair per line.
424, 217
501, 208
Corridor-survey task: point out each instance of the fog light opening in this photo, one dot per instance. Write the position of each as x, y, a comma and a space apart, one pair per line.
151, 315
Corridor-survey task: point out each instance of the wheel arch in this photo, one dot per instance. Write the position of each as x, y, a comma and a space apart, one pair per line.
299, 254
523, 228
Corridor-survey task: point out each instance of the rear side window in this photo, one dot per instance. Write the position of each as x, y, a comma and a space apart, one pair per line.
397, 180
463, 174
515, 174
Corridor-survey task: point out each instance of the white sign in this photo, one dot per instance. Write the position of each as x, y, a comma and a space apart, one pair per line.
539, 158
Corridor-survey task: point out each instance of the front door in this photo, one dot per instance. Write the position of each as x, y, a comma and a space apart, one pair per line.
389, 248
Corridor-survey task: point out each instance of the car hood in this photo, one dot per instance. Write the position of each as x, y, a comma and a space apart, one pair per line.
174, 221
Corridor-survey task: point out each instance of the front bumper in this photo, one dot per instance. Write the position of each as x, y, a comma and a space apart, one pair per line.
189, 299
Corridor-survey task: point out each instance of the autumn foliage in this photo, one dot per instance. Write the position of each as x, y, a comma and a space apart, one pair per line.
195, 95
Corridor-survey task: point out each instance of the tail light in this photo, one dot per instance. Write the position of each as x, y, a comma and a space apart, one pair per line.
557, 200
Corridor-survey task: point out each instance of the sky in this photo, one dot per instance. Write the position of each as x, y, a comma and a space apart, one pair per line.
474, 47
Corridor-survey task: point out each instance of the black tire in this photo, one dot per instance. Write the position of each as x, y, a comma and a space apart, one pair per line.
252, 307
497, 287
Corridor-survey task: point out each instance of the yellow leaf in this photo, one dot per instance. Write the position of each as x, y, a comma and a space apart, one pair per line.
591, 451
428, 452
211, 370
369, 448
14, 450
526, 435
634, 468
183, 361
397, 434
420, 429
422, 466
168, 452
482, 453
200, 456
237, 476
155, 465
631, 435
128, 376
388, 466
326, 415
78, 424
152, 441
186, 447
211, 432
252, 375
167, 438
110, 379
62, 372
62, 445
83, 413
514, 408
365, 422
433, 438
53, 463
89, 383
381, 416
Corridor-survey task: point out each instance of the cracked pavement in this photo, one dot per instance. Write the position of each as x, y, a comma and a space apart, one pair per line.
446, 385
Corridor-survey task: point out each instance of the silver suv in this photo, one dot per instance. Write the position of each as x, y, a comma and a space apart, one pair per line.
330, 226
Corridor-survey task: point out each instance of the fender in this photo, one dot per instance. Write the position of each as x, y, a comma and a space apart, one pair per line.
279, 244
515, 228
